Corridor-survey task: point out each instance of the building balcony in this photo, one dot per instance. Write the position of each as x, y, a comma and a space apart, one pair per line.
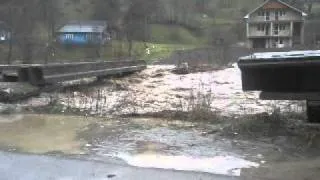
259, 21
267, 36
274, 33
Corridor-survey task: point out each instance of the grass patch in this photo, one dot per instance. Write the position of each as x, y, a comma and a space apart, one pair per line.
160, 51
120, 49
173, 34
155, 51
223, 21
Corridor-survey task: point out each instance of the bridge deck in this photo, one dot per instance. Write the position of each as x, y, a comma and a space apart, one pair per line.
41, 74
293, 75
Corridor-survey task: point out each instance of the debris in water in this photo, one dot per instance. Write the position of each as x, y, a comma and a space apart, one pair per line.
111, 176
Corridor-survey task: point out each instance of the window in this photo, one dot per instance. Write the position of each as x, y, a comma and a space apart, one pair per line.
282, 13
282, 27
276, 14
280, 41
267, 15
276, 29
68, 36
274, 43
260, 27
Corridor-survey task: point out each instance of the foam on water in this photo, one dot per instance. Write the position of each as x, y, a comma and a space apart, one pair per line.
158, 89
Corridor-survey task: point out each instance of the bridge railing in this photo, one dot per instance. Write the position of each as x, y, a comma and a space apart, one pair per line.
41, 74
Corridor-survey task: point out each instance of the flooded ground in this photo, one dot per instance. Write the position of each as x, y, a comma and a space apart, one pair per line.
42, 134
151, 143
115, 119
158, 89
142, 142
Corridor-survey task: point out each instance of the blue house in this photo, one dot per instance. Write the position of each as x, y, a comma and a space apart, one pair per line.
83, 33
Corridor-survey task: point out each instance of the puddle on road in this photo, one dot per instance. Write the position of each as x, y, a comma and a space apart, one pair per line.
224, 165
42, 133
148, 143
159, 143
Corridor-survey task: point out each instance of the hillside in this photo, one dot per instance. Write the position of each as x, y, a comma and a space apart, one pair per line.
170, 23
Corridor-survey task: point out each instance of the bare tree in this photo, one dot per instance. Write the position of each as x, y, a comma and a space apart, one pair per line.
7, 12
113, 11
50, 14
20, 16
9, 57
136, 21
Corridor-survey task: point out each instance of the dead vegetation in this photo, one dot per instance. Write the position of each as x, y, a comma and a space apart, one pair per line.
199, 106
258, 125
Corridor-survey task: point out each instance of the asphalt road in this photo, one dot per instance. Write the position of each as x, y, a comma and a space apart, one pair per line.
36, 167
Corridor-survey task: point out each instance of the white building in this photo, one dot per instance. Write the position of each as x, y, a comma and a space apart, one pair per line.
275, 24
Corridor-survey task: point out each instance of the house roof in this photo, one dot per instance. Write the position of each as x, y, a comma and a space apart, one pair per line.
286, 4
83, 26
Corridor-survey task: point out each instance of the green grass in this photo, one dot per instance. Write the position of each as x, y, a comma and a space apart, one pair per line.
223, 21
159, 51
173, 34
120, 48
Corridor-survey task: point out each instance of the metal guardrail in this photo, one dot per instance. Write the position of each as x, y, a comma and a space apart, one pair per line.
9, 68
41, 74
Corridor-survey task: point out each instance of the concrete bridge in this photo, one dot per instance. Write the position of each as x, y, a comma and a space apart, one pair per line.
42, 74
292, 75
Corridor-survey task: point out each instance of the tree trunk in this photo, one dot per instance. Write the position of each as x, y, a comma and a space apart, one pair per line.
51, 30
10, 38
309, 8
130, 42
98, 54
27, 52
10, 50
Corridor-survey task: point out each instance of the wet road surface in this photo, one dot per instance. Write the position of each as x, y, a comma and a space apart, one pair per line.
147, 143
35, 167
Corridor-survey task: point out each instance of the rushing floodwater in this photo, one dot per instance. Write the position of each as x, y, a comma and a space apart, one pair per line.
157, 143
157, 89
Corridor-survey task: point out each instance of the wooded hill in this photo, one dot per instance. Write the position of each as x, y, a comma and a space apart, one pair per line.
158, 21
